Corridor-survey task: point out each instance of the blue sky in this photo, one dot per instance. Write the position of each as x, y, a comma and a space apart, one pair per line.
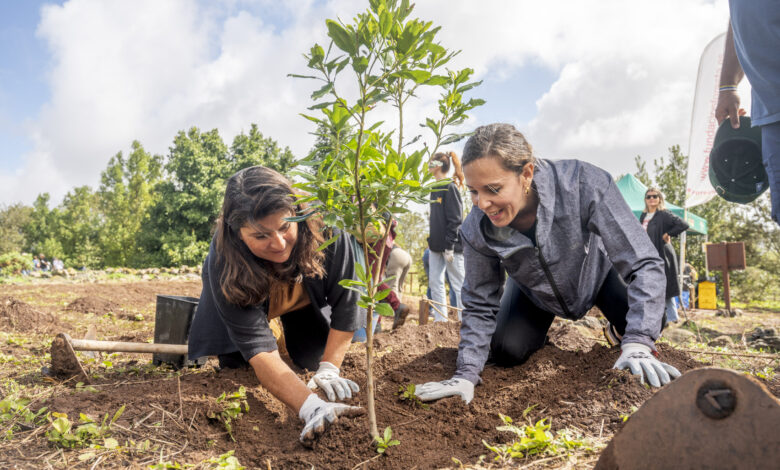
599, 80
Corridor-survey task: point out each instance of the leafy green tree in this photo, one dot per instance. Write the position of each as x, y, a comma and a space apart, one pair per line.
77, 229
13, 219
125, 196
254, 149
386, 56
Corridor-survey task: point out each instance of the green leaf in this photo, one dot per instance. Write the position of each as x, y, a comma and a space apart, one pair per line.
384, 309
385, 23
328, 242
437, 80
110, 443
388, 433
322, 91
360, 64
419, 76
295, 75
341, 38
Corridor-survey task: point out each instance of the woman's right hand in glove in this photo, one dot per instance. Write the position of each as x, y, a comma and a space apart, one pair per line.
317, 414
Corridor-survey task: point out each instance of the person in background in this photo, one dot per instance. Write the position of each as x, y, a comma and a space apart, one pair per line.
752, 42
398, 264
453, 300
660, 225
261, 267
566, 238
446, 217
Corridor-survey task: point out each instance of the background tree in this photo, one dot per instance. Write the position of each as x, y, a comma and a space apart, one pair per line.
13, 219
125, 196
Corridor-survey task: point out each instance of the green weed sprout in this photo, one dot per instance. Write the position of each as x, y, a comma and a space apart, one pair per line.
86, 434
385, 441
231, 407
533, 439
15, 410
225, 461
407, 393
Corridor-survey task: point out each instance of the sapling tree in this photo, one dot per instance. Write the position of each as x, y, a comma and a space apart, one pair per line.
368, 173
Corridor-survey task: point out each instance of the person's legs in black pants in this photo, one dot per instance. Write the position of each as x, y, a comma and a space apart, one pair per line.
521, 327
305, 335
612, 300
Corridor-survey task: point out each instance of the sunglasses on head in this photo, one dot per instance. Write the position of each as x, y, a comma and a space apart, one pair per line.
651, 196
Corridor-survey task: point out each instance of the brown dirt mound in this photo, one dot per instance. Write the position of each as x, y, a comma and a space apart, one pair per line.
16, 315
96, 305
572, 388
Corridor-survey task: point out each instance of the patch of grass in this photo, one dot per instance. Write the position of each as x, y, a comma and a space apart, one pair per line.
16, 415
226, 461
534, 439
87, 434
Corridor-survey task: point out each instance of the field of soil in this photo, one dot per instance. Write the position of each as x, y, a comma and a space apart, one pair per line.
569, 382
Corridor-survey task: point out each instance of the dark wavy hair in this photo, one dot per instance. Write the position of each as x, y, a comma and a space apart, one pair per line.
502, 141
252, 194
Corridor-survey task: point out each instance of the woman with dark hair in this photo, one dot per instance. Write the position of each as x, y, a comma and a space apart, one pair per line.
262, 266
660, 225
446, 251
567, 240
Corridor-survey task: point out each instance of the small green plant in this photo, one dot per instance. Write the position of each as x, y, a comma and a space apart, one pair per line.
14, 410
169, 466
625, 416
407, 393
87, 434
230, 408
385, 441
767, 373
225, 461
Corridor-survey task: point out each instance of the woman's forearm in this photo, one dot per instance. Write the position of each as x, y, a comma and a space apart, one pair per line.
337, 346
279, 379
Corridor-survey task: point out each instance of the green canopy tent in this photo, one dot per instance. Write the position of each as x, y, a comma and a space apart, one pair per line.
633, 192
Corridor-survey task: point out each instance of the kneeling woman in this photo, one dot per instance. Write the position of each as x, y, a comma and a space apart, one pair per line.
568, 241
261, 266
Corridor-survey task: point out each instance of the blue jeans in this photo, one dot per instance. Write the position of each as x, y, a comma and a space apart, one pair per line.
770, 149
455, 270
671, 310
453, 299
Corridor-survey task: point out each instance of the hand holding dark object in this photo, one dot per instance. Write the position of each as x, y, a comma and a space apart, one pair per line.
318, 414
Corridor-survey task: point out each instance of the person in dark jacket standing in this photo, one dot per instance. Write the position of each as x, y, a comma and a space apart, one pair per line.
261, 267
446, 250
660, 225
567, 240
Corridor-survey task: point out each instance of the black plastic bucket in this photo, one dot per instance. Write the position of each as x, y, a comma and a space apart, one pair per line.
172, 321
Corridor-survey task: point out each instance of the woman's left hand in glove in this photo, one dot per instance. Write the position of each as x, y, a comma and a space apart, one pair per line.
638, 358
327, 378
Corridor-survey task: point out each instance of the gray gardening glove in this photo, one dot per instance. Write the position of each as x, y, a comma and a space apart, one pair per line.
327, 378
639, 359
317, 414
449, 255
446, 388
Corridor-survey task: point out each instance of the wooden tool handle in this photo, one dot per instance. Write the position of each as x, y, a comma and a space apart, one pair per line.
120, 346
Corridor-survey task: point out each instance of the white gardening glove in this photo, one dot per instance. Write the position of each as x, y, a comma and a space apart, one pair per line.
446, 388
327, 378
317, 414
449, 255
639, 359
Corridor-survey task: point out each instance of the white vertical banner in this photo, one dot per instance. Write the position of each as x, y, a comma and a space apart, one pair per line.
698, 189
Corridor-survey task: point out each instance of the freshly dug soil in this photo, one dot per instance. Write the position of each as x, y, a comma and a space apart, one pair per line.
16, 315
92, 304
573, 388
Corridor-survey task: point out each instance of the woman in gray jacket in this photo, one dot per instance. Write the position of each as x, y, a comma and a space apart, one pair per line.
568, 241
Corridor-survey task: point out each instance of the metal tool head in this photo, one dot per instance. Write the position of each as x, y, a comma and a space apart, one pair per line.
64, 362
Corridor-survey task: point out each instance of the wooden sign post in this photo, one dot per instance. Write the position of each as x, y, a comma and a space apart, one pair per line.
726, 256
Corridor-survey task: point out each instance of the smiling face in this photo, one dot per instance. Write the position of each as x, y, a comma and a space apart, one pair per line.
500, 193
271, 238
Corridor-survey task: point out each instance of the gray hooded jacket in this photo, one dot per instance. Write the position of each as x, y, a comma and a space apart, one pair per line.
584, 228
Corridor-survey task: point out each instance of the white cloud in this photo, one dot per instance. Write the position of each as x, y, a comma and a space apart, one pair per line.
146, 69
